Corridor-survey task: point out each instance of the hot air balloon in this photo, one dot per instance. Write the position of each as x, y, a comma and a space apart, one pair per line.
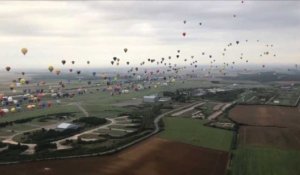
7, 68
22, 81
63, 62
127, 62
125, 50
184, 21
183, 34
78, 72
73, 62
24, 51
57, 72
23, 73
50, 68
88, 62
70, 70
94, 73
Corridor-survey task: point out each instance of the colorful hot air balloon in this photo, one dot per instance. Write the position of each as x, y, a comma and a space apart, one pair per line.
24, 51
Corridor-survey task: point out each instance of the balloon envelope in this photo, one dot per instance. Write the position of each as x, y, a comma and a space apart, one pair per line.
24, 51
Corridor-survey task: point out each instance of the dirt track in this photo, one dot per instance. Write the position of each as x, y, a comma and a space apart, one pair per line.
154, 156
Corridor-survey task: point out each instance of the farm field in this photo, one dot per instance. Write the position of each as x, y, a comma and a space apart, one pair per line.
268, 141
264, 115
39, 112
285, 138
265, 161
139, 159
193, 132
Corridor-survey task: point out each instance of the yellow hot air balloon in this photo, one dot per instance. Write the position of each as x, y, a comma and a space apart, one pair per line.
22, 81
24, 51
13, 110
51, 68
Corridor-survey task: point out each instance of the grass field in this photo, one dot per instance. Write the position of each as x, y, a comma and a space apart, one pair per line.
38, 112
18, 127
193, 132
265, 161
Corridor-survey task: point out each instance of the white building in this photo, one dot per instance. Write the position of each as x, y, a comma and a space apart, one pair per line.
165, 99
65, 126
151, 99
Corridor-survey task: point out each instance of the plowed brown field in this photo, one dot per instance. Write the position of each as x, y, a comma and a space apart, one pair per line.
154, 156
263, 115
285, 138
268, 125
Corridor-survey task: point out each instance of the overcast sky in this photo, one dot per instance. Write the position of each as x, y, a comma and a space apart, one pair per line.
97, 31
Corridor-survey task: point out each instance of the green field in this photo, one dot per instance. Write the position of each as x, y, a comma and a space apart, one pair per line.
39, 112
265, 161
194, 132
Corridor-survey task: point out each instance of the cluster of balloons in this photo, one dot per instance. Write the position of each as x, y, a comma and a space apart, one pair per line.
167, 66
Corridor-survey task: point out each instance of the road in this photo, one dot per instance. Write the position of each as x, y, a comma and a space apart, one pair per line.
186, 110
220, 111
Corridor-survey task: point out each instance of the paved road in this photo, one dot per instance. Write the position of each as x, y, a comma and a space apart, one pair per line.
186, 110
220, 111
